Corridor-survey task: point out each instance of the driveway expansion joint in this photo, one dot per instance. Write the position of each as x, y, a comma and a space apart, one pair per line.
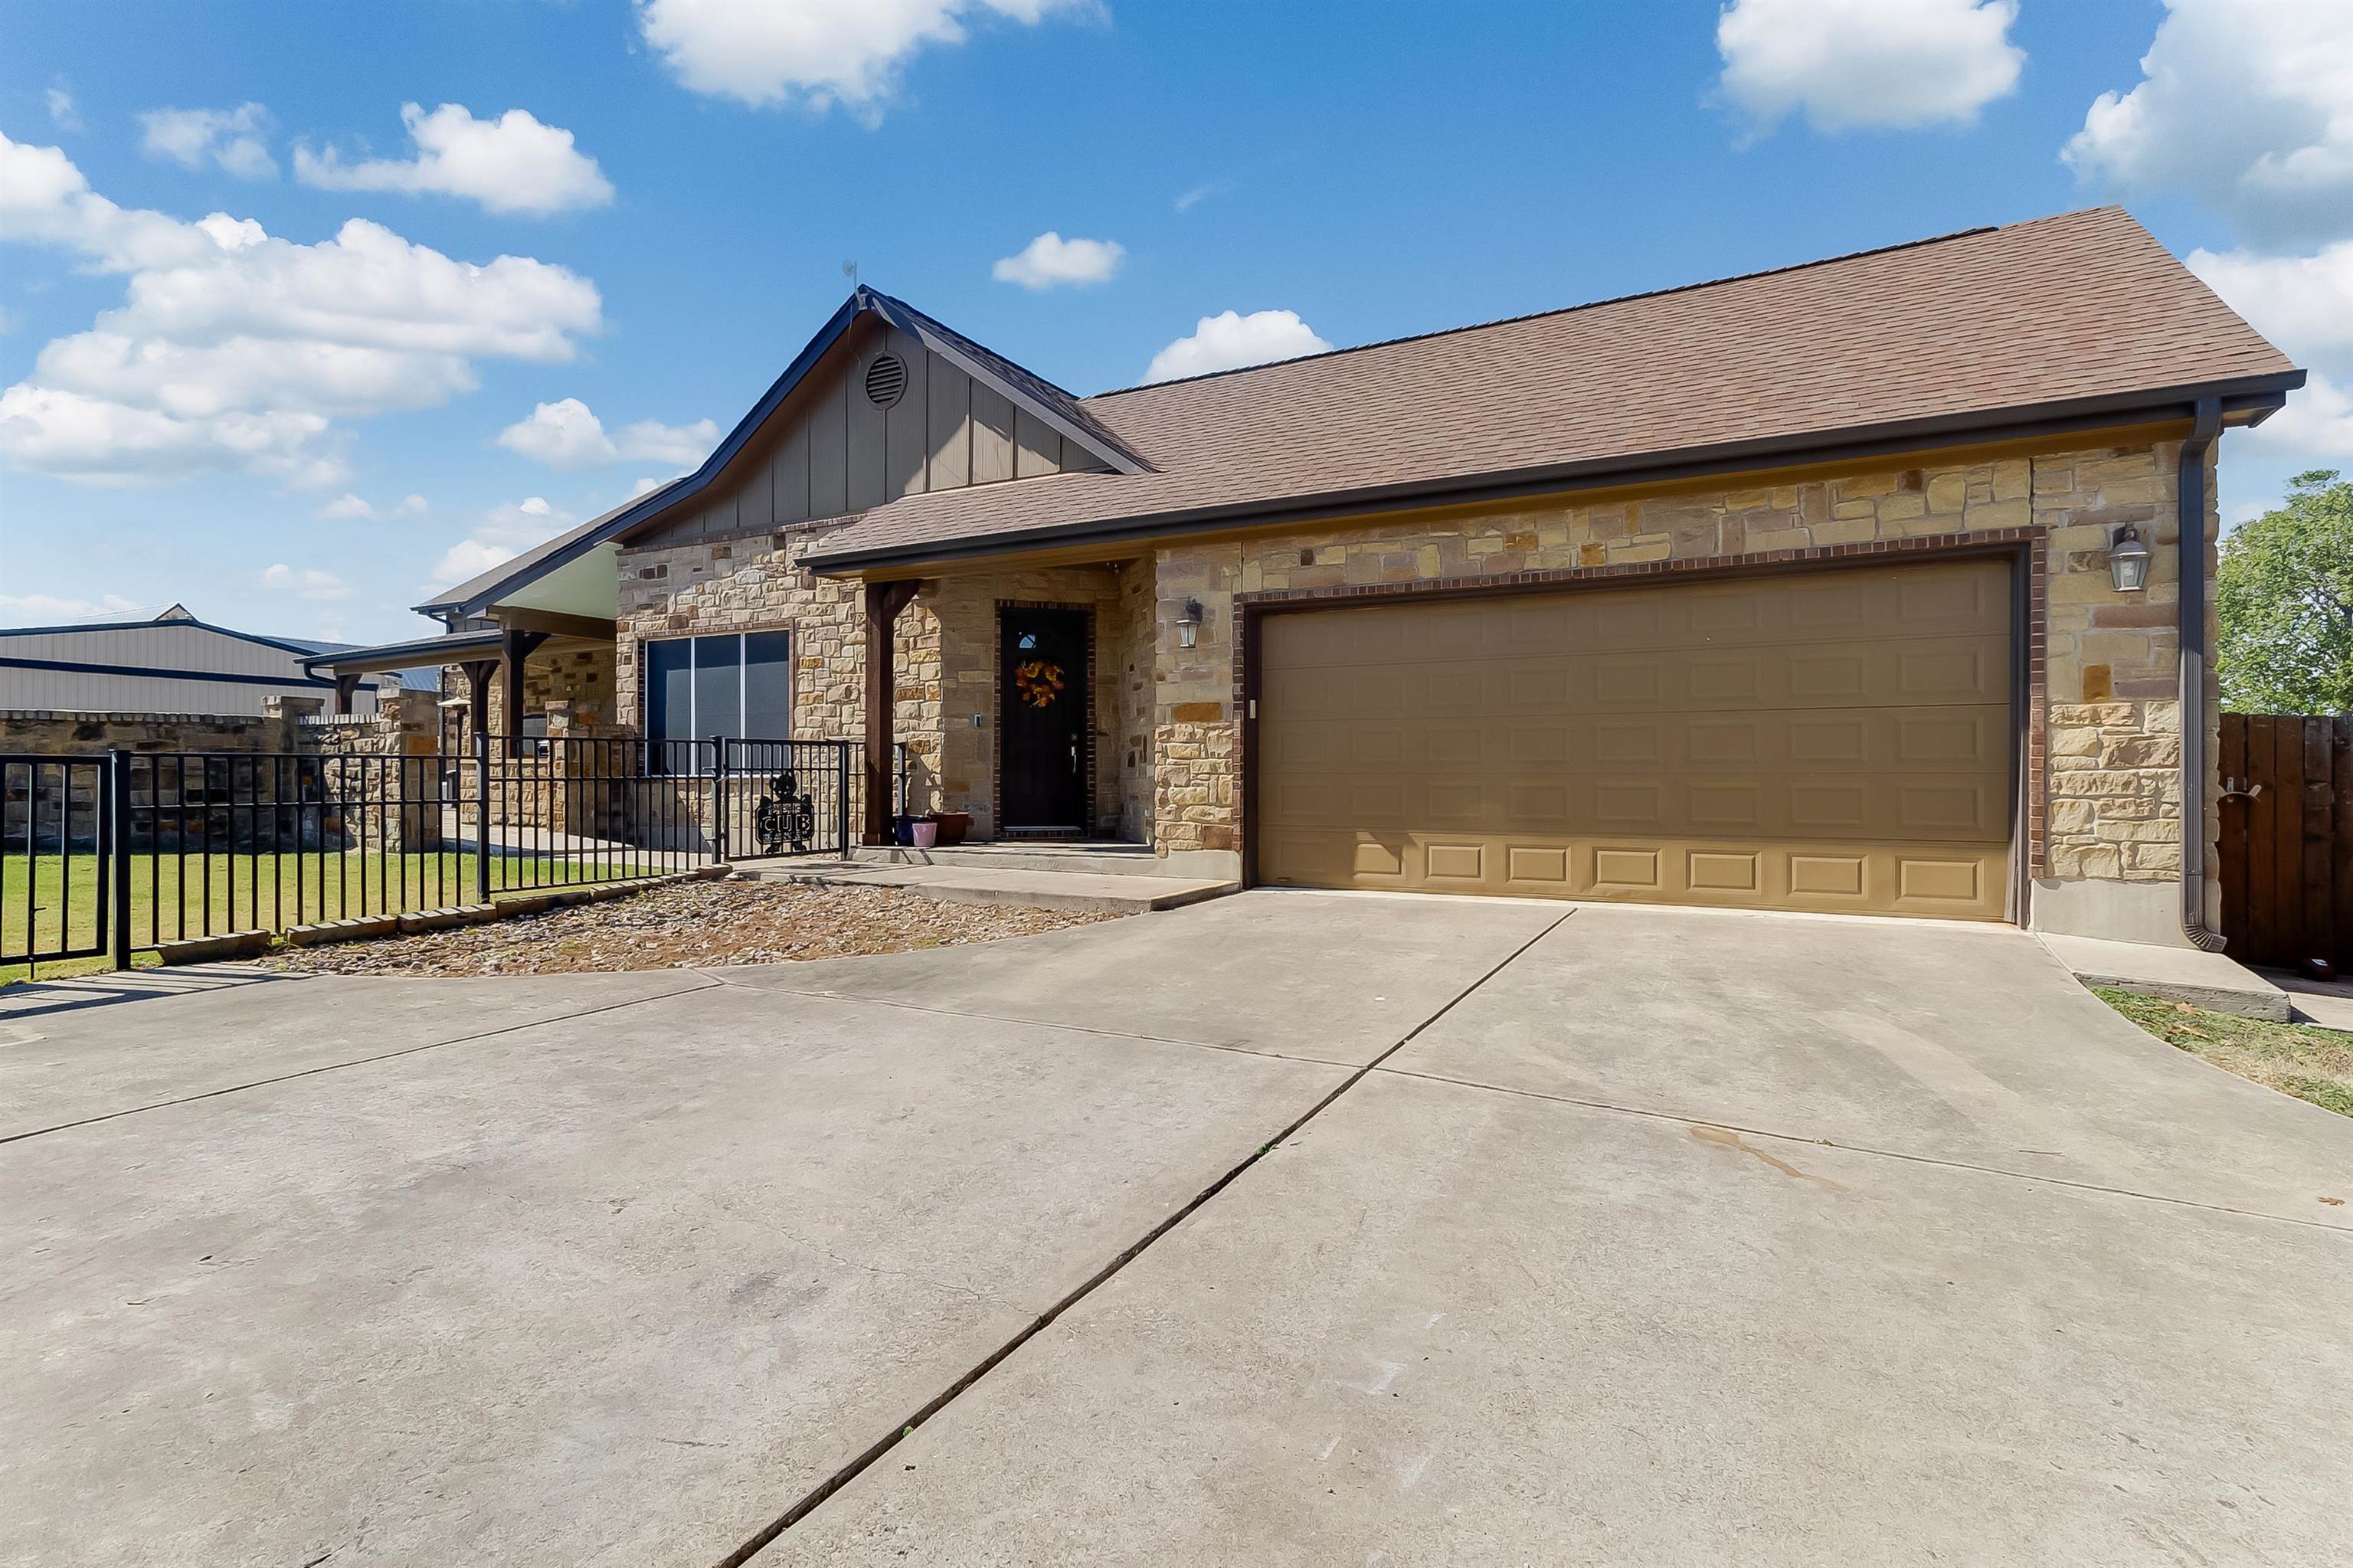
354, 1062
2030, 1177
857, 1466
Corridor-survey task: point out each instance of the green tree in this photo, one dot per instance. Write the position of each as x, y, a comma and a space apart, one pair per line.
2284, 597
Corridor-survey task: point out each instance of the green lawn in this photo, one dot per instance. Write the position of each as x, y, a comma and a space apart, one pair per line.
208, 895
2300, 1059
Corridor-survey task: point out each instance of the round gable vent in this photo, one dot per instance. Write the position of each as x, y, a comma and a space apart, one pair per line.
886, 380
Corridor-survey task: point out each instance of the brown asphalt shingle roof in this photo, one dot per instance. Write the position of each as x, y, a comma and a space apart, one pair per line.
2083, 306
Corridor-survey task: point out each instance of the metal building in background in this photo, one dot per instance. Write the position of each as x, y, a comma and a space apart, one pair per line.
169, 662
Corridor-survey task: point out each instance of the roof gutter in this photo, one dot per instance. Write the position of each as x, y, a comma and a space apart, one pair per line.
2189, 500
2252, 398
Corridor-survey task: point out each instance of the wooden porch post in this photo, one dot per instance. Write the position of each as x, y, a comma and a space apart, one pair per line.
346, 688
883, 603
515, 645
478, 693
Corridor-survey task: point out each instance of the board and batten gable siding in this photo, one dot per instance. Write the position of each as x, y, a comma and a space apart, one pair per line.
831, 453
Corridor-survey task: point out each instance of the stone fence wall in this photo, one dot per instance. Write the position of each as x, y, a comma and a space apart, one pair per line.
43, 732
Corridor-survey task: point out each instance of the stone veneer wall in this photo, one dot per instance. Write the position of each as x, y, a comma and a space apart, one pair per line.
757, 583
2106, 806
579, 673
945, 656
1130, 646
2104, 725
48, 732
966, 608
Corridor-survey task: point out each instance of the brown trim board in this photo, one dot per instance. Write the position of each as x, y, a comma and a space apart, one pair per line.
2021, 546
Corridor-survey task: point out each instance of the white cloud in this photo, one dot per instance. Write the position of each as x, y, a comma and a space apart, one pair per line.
1228, 341
310, 584
2316, 429
2247, 106
1845, 64
236, 350
646, 487
504, 533
234, 140
45, 430
816, 53
512, 163
2303, 303
1188, 200
42, 609
569, 435
1050, 259
348, 507
63, 114
684, 446
562, 435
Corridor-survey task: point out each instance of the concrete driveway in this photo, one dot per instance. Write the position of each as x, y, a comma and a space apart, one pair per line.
1607, 1235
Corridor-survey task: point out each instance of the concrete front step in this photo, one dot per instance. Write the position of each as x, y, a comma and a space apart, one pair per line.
1087, 857
1077, 892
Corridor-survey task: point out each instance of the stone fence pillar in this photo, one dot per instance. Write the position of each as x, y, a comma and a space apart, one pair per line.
388, 772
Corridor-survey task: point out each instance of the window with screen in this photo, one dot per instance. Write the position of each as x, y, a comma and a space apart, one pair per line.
737, 686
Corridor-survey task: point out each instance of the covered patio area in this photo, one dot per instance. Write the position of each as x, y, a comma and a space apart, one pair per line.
1023, 700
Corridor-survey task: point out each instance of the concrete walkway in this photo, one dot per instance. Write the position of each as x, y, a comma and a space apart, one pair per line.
2328, 1003
1075, 892
1597, 1235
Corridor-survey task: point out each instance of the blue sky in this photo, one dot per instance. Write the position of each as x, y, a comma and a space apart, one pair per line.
292, 425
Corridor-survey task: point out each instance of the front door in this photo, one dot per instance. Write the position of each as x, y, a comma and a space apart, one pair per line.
1041, 695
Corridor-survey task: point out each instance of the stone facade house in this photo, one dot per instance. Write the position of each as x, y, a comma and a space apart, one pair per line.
1813, 589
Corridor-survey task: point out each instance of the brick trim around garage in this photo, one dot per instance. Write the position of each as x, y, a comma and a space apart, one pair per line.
2026, 543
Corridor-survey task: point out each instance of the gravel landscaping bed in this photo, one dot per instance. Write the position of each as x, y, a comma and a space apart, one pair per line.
690, 925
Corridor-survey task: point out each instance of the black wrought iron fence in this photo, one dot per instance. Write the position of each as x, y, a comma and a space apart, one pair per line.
55, 826
787, 797
115, 853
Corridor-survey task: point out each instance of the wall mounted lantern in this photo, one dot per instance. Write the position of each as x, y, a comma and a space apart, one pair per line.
1188, 625
2128, 560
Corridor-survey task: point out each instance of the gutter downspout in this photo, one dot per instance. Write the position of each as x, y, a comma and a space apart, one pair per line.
2189, 497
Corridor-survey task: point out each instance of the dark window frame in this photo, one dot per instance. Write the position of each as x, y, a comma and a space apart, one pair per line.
696, 726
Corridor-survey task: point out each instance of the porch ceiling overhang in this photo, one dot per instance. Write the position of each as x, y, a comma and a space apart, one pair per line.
451, 648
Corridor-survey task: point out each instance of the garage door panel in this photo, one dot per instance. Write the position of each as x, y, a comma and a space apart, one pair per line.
1921, 672
1833, 741
1898, 605
1929, 809
1962, 881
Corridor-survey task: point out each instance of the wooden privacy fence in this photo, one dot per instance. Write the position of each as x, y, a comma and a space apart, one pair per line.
2287, 838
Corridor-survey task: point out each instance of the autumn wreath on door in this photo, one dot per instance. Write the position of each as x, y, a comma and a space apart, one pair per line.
1038, 681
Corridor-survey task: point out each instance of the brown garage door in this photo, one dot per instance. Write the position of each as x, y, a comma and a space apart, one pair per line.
1832, 740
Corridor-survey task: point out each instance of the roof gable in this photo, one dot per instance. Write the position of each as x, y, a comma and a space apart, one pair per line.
2077, 316
1032, 395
